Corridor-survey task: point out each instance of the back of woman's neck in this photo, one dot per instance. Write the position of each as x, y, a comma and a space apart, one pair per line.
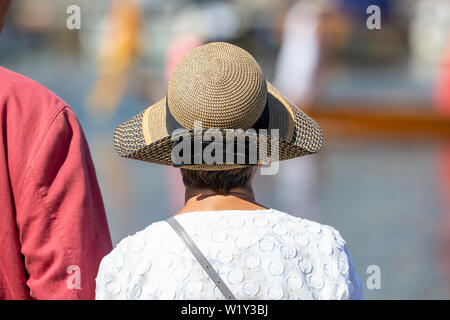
207, 200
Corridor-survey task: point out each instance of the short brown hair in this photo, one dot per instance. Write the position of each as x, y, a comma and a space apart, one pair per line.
219, 181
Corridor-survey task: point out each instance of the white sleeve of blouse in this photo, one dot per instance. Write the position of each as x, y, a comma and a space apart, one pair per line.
107, 285
355, 284
353, 288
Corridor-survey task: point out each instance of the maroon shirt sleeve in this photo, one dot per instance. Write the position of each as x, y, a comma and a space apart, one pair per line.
63, 232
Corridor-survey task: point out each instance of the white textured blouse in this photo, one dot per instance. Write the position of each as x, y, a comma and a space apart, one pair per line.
259, 254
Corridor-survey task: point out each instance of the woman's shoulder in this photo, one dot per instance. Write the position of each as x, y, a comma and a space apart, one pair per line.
322, 254
313, 229
134, 246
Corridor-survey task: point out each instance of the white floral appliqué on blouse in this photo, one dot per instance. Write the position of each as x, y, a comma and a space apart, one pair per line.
261, 254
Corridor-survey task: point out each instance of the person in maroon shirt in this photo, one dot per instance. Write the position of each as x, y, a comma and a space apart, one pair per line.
53, 227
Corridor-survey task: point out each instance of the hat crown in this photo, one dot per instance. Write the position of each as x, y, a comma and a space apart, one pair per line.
220, 85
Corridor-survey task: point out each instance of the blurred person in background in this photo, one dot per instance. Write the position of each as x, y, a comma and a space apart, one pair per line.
53, 227
296, 77
442, 102
246, 250
300, 66
118, 50
442, 89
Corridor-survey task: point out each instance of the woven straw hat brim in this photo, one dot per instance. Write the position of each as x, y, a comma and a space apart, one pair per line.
145, 136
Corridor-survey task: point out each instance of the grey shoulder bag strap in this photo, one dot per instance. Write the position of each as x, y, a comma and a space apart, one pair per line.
201, 259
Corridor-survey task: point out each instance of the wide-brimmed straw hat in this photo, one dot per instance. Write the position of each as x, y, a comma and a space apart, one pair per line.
218, 85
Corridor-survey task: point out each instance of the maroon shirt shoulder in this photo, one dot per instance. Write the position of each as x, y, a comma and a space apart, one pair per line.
27, 110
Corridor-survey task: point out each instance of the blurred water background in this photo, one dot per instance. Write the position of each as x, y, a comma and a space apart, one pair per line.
387, 189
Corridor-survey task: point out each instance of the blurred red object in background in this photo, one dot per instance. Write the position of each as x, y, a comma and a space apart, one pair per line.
442, 90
